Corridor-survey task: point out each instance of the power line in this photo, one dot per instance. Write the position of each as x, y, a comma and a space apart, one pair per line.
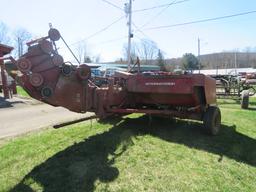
149, 8
159, 13
112, 4
103, 29
159, 6
139, 30
98, 32
146, 9
201, 21
109, 41
138, 37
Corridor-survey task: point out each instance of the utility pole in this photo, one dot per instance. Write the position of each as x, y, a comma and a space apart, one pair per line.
128, 11
236, 62
198, 49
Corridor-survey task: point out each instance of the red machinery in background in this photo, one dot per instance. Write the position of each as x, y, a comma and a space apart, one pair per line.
46, 77
5, 84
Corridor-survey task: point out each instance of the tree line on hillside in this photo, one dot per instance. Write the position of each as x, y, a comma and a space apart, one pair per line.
221, 60
149, 53
229, 60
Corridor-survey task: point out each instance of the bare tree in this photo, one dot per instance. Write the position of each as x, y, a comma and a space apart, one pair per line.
134, 53
3, 34
21, 36
147, 50
248, 53
83, 53
96, 59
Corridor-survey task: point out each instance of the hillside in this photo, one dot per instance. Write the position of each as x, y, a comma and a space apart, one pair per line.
221, 60
228, 60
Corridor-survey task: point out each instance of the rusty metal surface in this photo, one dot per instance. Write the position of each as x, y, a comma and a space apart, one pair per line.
4, 50
48, 78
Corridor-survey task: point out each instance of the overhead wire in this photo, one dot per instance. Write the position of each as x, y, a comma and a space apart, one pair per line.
98, 32
112, 4
139, 30
109, 41
138, 37
166, 6
159, 6
103, 29
201, 21
159, 13
146, 9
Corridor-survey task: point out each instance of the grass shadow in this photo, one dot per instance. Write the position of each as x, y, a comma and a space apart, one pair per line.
229, 142
79, 166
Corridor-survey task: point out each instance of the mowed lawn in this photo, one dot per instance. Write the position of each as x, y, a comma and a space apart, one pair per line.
22, 92
132, 155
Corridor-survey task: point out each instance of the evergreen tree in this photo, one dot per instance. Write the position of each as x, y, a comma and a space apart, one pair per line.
160, 60
190, 62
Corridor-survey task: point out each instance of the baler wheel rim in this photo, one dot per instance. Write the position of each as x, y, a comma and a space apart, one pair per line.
36, 79
24, 65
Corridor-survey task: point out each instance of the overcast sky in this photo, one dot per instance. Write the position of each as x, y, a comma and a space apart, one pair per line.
78, 19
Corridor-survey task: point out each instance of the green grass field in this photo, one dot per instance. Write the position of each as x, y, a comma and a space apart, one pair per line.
131, 155
22, 92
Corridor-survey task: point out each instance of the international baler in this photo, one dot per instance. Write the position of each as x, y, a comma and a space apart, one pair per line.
47, 77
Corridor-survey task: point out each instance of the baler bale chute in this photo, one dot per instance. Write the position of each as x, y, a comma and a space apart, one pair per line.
46, 77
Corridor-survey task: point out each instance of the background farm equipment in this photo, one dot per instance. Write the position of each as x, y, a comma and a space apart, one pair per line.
234, 87
7, 84
46, 77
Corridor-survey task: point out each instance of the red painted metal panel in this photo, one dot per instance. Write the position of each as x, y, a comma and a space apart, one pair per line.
158, 84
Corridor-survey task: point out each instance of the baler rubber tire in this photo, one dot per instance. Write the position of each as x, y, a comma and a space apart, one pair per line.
245, 99
212, 120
